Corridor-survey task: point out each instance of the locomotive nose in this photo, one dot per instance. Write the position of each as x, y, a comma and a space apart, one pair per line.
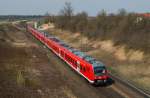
101, 80
104, 77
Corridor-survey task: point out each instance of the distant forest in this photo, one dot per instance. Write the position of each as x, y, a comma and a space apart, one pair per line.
19, 17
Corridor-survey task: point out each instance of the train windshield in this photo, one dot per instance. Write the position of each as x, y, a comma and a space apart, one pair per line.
99, 70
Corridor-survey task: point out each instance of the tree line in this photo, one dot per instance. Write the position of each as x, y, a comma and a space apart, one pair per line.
130, 29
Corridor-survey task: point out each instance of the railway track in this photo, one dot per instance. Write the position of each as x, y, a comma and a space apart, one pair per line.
129, 89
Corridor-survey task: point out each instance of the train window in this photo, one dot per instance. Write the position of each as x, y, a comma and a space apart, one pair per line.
84, 69
71, 49
75, 63
46, 35
81, 68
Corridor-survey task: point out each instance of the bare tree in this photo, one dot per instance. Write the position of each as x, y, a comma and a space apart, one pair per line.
82, 20
65, 16
67, 10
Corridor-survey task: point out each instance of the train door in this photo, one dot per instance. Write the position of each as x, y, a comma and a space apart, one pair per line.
59, 52
78, 66
62, 53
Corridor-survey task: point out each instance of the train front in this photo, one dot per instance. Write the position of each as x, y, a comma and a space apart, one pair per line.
100, 73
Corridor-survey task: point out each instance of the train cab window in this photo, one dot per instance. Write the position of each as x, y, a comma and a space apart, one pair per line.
98, 70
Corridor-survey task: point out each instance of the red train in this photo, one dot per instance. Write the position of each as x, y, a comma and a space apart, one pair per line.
91, 69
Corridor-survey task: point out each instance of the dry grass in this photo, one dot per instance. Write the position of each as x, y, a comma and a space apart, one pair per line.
68, 92
16, 80
138, 73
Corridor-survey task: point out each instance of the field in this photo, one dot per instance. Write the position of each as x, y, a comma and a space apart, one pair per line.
29, 70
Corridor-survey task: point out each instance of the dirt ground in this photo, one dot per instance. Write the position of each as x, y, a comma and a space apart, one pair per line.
28, 70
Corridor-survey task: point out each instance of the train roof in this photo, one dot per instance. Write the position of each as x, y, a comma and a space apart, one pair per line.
80, 54
77, 52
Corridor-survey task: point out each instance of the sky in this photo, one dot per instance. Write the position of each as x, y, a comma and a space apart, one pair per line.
40, 7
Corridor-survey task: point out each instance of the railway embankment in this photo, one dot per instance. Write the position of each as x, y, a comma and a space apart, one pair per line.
129, 64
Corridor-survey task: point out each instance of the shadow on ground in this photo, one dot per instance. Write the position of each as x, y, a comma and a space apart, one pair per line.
109, 82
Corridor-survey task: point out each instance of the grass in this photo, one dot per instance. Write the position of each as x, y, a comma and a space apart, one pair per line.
20, 78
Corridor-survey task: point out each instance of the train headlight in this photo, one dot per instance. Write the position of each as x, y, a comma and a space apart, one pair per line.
104, 71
